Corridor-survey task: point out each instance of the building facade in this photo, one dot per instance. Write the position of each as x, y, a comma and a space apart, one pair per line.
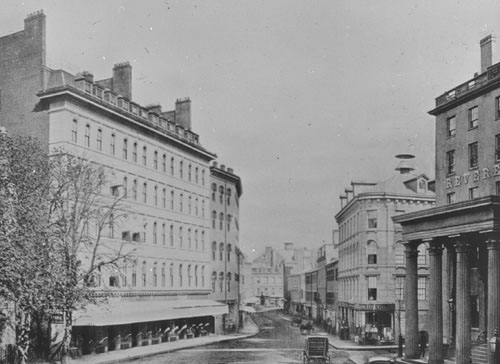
371, 263
462, 230
226, 258
267, 277
155, 161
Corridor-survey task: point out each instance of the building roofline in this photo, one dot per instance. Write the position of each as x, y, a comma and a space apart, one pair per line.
224, 174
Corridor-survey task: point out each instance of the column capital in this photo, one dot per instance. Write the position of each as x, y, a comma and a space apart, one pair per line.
462, 247
411, 249
435, 250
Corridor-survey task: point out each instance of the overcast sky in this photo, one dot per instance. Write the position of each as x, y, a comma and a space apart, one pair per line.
299, 97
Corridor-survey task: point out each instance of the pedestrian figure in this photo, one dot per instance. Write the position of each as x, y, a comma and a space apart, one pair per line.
423, 343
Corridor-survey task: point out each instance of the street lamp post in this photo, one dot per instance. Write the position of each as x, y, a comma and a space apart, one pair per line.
494, 348
451, 305
400, 337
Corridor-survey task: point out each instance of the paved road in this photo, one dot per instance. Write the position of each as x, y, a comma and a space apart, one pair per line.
277, 343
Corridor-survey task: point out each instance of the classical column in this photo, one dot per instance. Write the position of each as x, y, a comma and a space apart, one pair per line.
435, 304
411, 301
493, 286
463, 342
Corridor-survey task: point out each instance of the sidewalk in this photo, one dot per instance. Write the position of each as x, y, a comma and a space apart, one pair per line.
249, 329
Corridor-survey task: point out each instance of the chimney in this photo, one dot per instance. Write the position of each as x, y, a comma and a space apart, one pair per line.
35, 29
122, 79
230, 170
223, 167
156, 108
486, 52
183, 113
214, 164
343, 200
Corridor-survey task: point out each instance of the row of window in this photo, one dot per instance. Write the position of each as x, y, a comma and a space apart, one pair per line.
269, 291
473, 156
157, 275
229, 277
160, 197
185, 238
229, 250
221, 194
228, 219
472, 121
159, 162
351, 225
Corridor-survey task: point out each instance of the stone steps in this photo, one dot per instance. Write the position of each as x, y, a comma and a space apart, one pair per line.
479, 354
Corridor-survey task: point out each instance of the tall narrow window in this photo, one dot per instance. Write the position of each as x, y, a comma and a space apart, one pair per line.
189, 172
155, 240
473, 155
214, 279
372, 219
125, 148
180, 275
134, 153
450, 198
155, 160
451, 126
125, 187
450, 162
196, 175
134, 190
144, 156
214, 191
180, 236
228, 222
203, 177
214, 250
228, 199
172, 195
99, 139
164, 163
371, 251
134, 274
189, 275
181, 169
196, 276
497, 184
228, 252
221, 194
422, 288
400, 288
163, 234
155, 274
497, 107
497, 148
203, 276
221, 251
144, 271
163, 275
181, 202
473, 117
196, 239
196, 207
171, 274
164, 198
171, 235
87, 136
372, 288
202, 240
145, 192
74, 132
189, 239
172, 163
214, 219
203, 208
221, 221
221, 281
156, 196
189, 205
112, 144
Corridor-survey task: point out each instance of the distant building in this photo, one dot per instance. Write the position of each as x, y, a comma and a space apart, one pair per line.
371, 269
227, 259
267, 277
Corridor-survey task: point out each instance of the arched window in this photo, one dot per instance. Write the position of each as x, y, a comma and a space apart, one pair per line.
228, 192
181, 202
144, 274
228, 222
180, 236
171, 235
145, 192
399, 254
221, 281
99, 139
228, 252
202, 240
155, 274
180, 275
156, 196
163, 234
134, 190
214, 278
196, 276
214, 218
164, 198
134, 153
203, 276
221, 194
112, 143
228, 282
125, 148
172, 163
214, 250
74, 132
181, 169
203, 177
155, 240
196, 175
163, 275
155, 160
164, 163
144, 156
371, 251
189, 275
196, 207
202, 208
189, 238
221, 251
189, 172
125, 187
172, 199
196, 239
221, 220
171, 274
134, 273
422, 254
214, 191
189, 205
87, 135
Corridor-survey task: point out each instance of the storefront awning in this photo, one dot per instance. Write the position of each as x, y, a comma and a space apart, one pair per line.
117, 312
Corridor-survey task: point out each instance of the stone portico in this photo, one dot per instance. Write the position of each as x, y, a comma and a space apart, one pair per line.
464, 250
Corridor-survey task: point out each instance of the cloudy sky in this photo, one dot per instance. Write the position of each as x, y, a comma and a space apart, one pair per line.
299, 97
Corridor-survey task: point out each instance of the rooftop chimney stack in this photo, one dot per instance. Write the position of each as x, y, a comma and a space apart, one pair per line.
183, 113
122, 79
486, 52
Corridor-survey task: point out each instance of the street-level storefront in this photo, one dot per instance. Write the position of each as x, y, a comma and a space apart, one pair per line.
118, 324
367, 323
464, 298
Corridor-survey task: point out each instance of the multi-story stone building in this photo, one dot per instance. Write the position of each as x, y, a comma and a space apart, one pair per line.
465, 290
155, 161
267, 277
371, 263
227, 260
